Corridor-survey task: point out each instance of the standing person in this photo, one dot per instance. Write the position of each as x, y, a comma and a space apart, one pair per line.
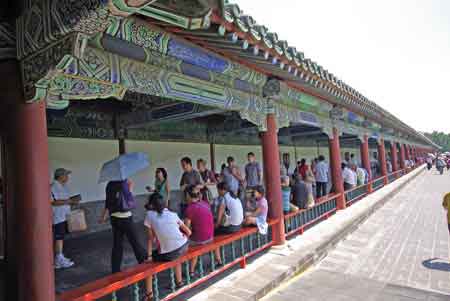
232, 176
446, 205
375, 166
253, 172
389, 166
300, 193
309, 181
170, 232
361, 176
118, 205
189, 177
349, 177
61, 201
161, 184
322, 177
207, 175
352, 160
199, 218
346, 158
208, 178
303, 167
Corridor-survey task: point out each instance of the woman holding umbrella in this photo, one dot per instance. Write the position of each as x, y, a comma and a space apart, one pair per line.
119, 203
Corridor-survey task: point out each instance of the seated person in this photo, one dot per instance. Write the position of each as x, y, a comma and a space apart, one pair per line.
170, 232
258, 217
199, 218
286, 196
230, 213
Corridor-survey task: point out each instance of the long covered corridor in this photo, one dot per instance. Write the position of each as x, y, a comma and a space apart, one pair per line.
400, 253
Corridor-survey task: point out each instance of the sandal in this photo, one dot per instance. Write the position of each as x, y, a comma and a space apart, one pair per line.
179, 285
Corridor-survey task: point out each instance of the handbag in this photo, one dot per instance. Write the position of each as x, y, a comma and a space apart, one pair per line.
76, 221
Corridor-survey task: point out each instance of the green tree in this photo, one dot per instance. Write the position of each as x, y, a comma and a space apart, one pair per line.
440, 139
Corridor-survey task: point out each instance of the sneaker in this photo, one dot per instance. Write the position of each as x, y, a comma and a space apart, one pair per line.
63, 265
67, 260
60, 263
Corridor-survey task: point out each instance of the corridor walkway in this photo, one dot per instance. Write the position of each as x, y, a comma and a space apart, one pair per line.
400, 253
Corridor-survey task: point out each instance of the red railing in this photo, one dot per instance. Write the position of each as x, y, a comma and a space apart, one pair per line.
128, 281
297, 222
235, 249
355, 194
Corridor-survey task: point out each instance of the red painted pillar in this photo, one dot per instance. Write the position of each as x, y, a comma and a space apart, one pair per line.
402, 156
394, 156
365, 159
382, 160
33, 211
271, 157
336, 169
407, 152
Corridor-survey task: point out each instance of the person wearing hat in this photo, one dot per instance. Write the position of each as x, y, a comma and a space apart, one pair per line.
61, 201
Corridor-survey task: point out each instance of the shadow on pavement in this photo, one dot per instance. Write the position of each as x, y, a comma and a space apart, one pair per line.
436, 264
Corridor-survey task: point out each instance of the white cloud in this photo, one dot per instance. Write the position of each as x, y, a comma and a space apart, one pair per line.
396, 52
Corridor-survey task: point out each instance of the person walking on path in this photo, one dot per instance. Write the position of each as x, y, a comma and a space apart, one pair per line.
446, 204
61, 201
118, 205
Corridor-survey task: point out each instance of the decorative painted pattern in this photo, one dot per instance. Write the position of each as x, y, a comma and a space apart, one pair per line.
7, 41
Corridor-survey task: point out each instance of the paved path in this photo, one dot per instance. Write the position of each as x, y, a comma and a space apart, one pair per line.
400, 253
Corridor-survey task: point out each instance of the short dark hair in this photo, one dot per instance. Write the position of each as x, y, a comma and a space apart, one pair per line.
352, 155
187, 160
251, 154
222, 186
260, 189
156, 202
321, 158
303, 161
230, 159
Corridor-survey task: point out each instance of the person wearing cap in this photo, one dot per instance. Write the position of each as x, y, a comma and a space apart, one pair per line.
61, 201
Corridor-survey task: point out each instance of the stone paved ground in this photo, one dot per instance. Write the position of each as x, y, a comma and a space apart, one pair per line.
400, 253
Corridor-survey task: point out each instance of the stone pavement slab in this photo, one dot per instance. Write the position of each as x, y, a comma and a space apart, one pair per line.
401, 252
267, 272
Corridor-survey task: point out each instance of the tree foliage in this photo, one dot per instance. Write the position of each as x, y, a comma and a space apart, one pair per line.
440, 139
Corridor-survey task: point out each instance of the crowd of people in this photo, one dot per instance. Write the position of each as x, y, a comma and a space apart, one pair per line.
212, 204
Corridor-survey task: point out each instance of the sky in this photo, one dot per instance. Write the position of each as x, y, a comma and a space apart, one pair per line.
395, 52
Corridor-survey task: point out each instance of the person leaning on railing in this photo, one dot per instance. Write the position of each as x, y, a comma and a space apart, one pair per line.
171, 233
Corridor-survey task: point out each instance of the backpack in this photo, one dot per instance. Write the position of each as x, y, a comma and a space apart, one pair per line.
118, 197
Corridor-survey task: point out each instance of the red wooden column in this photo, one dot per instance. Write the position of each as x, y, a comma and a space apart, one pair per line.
402, 156
407, 152
336, 169
271, 158
382, 160
394, 156
33, 211
365, 159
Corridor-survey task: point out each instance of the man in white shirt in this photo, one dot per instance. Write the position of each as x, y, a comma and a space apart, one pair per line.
349, 177
322, 177
61, 201
361, 176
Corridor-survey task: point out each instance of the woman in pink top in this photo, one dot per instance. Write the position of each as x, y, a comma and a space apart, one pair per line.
199, 218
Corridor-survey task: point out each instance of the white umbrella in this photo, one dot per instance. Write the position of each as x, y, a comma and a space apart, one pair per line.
123, 167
